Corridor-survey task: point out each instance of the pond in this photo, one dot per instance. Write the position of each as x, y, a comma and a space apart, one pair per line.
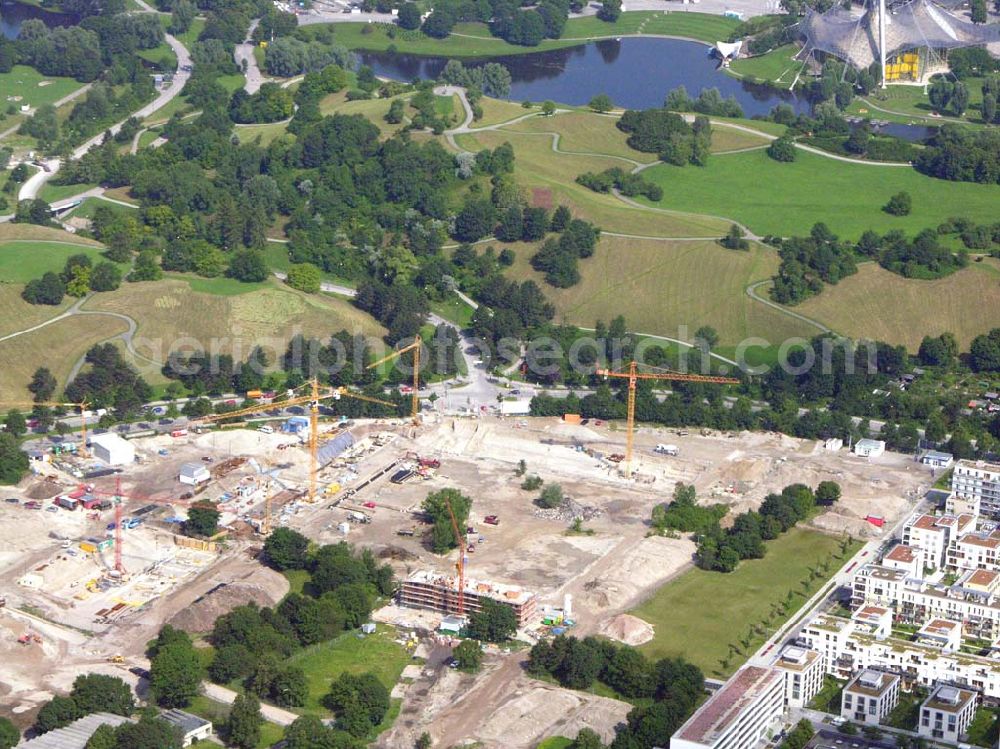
12, 15
636, 72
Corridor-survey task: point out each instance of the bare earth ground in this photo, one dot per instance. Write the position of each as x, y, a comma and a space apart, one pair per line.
606, 573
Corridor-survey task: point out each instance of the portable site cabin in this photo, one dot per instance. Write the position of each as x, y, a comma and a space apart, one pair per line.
112, 449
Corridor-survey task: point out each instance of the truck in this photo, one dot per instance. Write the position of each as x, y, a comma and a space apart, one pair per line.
358, 517
671, 450
179, 433
253, 395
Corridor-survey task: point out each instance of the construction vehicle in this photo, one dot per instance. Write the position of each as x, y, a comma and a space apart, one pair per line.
671, 450
491, 520
430, 463
633, 376
118, 659
406, 532
53, 404
415, 347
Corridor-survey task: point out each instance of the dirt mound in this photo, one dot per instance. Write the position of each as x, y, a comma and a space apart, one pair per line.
628, 629
200, 616
398, 553
43, 490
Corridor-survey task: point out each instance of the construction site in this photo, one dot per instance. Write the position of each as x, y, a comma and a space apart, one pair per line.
86, 588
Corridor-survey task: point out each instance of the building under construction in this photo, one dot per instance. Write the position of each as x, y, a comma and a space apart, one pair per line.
430, 590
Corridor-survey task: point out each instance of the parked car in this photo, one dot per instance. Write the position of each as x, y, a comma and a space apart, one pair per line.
32, 505
52, 508
12, 500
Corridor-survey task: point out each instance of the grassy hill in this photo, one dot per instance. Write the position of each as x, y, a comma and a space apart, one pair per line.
784, 199
878, 304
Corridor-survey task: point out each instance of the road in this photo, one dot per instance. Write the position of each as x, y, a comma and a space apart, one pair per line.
247, 62
33, 186
228, 697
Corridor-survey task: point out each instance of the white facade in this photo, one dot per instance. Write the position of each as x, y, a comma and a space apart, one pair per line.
976, 551
191, 727
946, 714
738, 715
112, 449
931, 535
937, 460
848, 647
978, 484
869, 697
869, 448
193, 474
803, 670
515, 407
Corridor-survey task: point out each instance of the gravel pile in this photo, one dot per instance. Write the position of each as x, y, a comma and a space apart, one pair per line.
568, 511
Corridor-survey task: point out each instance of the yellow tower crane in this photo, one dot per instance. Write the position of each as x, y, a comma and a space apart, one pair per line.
633, 376
315, 396
415, 348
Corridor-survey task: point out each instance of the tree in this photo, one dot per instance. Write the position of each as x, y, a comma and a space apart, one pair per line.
105, 277
149, 733
146, 268
706, 337
15, 423
230, 662
98, 693
548, 107
243, 726
977, 11
959, 98
899, 204
469, 655
13, 461
551, 497
49, 289
175, 673
587, 738
610, 10
436, 507
984, 352
409, 16
734, 239
103, 738
286, 549
989, 107
475, 221
202, 520
602, 103
397, 109
57, 713
782, 149
360, 702
424, 742
827, 492
43, 384
494, 623
248, 266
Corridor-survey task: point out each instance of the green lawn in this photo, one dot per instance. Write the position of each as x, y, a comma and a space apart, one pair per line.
454, 310
709, 635
474, 40
190, 36
906, 714
21, 260
54, 193
556, 742
297, 580
324, 663
24, 82
909, 102
776, 66
89, 205
784, 199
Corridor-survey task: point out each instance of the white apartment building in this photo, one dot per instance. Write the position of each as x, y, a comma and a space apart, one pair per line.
976, 551
975, 488
946, 714
974, 599
849, 646
738, 715
803, 671
869, 697
906, 558
931, 535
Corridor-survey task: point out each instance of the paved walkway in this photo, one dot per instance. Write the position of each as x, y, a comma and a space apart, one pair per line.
247, 61
228, 697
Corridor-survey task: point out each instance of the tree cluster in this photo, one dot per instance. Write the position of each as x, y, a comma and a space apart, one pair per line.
668, 134
626, 183
558, 258
809, 262
673, 685
962, 155
708, 102
360, 703
722, 550
109, 382
271, 103
923, 256
91, 693
684, 514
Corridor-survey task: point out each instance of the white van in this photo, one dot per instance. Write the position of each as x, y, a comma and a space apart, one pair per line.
266, 429
667, 450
